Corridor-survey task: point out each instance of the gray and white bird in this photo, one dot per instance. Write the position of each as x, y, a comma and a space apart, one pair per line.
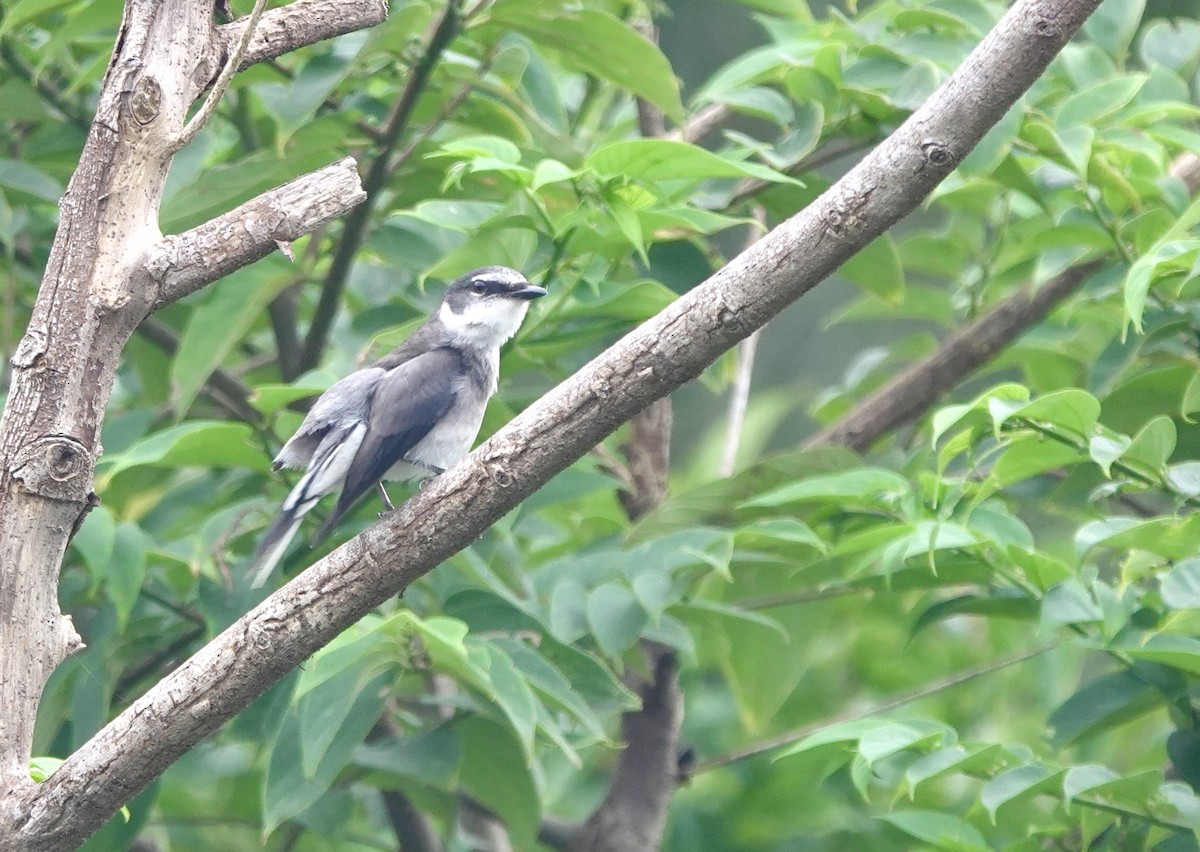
413, 413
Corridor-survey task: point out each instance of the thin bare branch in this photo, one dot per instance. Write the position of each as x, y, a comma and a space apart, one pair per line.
232, 65
932, 688
701, 123
301, 23
739, 396
910, 394
183, 263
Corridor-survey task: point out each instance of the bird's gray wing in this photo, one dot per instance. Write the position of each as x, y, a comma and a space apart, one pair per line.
406, 404
343, 404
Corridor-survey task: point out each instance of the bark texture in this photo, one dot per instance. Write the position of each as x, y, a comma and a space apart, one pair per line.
634, 813
98, 286
670, 349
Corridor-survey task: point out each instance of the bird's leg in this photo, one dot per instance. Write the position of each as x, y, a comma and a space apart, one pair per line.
386, 500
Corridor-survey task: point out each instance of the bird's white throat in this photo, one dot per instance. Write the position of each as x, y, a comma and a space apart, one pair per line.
486, 323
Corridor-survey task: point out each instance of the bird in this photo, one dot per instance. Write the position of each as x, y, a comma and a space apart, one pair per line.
412, 414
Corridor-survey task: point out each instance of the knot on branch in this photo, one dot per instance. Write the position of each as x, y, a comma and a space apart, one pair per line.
937, 154
54, 466
498, 473
145, 100
31, 351
1046, 28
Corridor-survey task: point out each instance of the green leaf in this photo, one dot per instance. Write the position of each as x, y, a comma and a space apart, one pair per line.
95, 540
1114, 24
1076, 145
432, 757
552, 683
1017, 784
1016, 607
615, 617
1153, 445
983, 760
722, 611
656, 160
1069, 603
843, 732
1072, 410
197, 443
939, 830
1101, 781
41, 768
1103, 704
1099, 100
513, 696
326, 709
1180, 587
288, 789
1179, 652
866, 484
30, 179
126, 571
1028, 456
600, 44
877, 269
269, 399
895, 737
229, 309
496, 773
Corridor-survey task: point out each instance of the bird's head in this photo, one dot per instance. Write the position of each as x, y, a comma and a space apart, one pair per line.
485, 307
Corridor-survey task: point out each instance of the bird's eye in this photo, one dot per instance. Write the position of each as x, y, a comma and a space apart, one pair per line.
480, 287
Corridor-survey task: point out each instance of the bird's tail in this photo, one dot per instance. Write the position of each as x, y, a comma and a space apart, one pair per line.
279, 535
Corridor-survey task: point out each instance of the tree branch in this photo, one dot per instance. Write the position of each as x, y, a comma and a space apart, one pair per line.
663, 353
634, 813
301, 23
910, 394
184, 263
221, 85
355, 228
932, 688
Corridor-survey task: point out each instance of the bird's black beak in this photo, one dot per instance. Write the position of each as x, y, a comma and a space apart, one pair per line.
529, 292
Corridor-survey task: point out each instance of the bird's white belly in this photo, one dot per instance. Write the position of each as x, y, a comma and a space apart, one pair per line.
443, 447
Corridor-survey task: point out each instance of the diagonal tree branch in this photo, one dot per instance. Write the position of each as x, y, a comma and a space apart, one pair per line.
184, 263
668, 350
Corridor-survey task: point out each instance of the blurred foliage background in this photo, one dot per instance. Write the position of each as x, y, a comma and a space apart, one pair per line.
984, 633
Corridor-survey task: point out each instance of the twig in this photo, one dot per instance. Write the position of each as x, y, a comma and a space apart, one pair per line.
701, 123
300, 23
448, 109
232, 66
932, 688
355, 228
739, 397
